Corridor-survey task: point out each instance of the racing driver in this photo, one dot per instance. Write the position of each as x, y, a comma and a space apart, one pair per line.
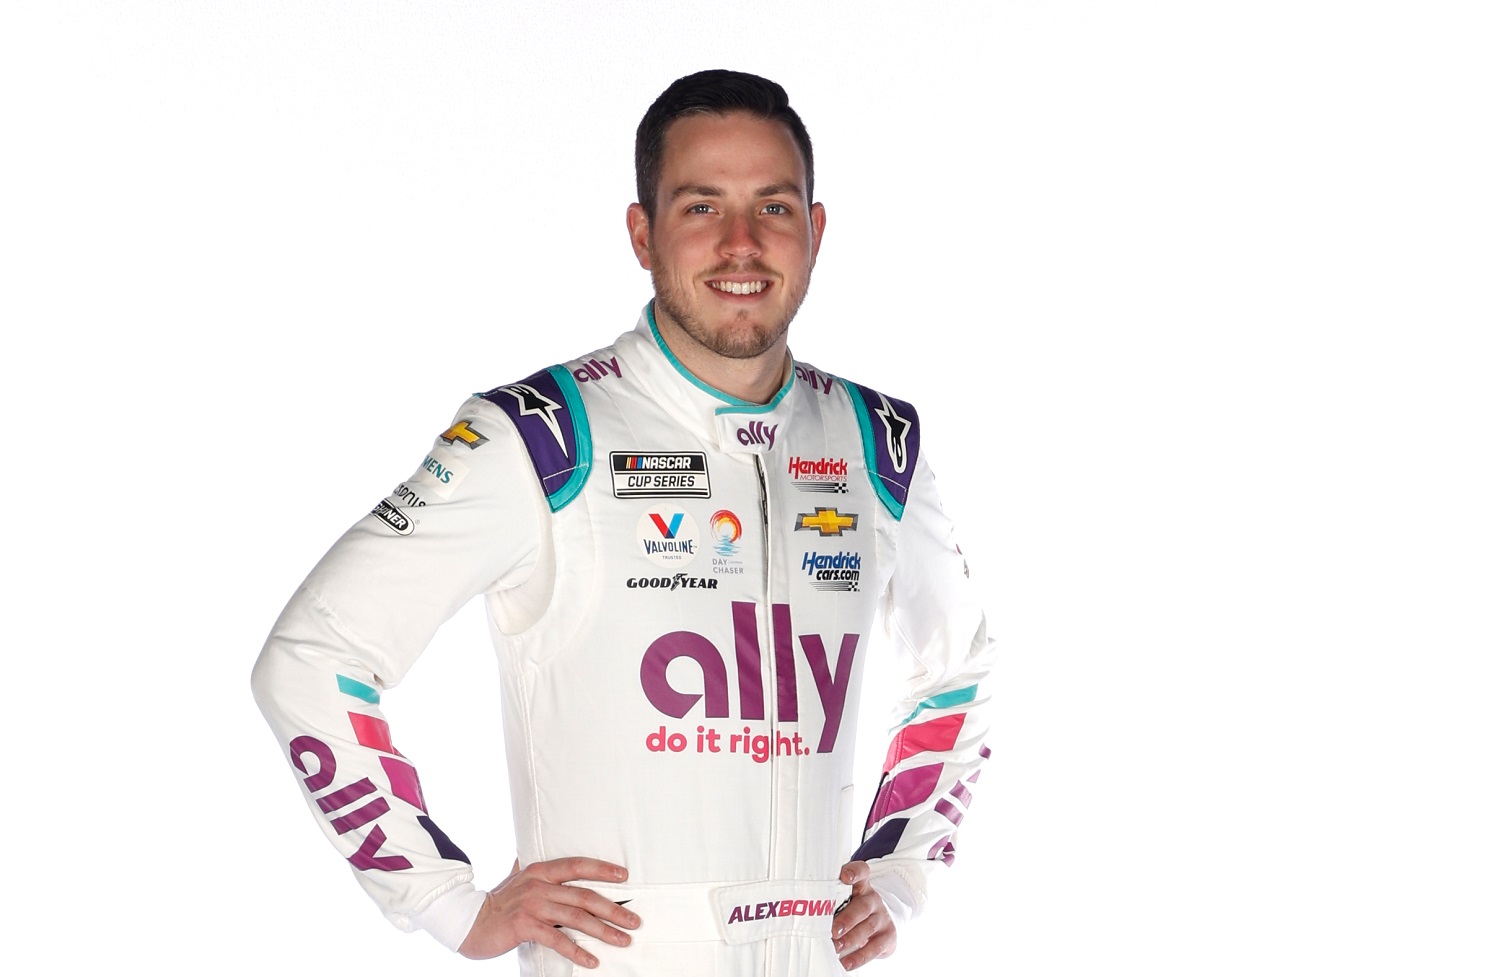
683, 540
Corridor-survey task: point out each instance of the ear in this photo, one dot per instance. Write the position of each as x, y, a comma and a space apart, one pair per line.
639, 224
819, 218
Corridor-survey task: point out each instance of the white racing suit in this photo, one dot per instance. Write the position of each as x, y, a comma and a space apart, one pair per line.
681, 588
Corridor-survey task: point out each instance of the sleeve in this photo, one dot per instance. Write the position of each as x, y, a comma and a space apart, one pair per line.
932, 615
467, 521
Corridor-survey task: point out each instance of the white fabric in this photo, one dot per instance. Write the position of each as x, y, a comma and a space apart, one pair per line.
674, 700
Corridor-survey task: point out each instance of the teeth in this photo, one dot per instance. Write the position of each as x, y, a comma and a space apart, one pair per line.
739, 288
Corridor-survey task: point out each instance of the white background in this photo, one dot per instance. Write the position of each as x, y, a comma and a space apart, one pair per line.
1197, 301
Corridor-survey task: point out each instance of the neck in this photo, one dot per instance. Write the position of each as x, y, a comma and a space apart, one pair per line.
755, 379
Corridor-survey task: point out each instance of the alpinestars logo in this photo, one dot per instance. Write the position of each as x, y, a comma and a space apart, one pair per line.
532, 402
823, 475
896, 428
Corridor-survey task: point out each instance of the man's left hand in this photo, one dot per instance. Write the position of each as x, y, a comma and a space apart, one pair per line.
863, 930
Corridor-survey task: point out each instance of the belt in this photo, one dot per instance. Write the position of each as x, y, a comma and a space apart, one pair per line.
733, 912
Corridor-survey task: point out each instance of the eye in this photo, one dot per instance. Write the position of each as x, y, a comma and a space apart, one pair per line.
778, 210
701, 209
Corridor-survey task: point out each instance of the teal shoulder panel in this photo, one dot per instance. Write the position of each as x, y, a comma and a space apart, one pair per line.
892, 438
550, 417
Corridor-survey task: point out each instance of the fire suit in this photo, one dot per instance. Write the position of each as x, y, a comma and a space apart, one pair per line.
681, 588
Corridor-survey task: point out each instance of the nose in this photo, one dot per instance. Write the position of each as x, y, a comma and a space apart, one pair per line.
739, 237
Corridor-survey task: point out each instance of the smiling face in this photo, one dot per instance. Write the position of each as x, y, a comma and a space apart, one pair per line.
732, 244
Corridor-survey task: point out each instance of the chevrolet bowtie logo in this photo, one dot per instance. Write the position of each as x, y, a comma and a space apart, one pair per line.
828, 522
463, 432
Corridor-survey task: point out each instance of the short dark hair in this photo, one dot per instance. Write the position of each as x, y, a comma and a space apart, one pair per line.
713, 92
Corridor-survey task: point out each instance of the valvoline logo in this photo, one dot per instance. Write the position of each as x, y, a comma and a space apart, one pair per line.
668, 536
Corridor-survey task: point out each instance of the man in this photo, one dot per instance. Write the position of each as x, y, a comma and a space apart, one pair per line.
683, 540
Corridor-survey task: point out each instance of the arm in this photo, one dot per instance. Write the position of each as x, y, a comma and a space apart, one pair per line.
937, 627
466, 522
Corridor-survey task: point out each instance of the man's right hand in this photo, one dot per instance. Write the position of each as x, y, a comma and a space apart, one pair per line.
532, 902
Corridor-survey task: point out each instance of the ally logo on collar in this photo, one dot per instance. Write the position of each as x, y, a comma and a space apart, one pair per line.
757, 432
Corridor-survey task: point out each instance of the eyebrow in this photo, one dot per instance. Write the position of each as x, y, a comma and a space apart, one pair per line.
706, 190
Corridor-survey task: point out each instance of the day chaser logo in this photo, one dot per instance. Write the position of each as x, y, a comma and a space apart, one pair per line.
669, 536
824, 475
724, 531
464, 433
828, 522
398, 521
837, 571
659, 474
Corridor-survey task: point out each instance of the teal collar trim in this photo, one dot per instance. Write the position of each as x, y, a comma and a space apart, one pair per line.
736, 405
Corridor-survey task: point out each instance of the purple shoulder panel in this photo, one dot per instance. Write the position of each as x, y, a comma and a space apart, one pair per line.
892, 440
543, 415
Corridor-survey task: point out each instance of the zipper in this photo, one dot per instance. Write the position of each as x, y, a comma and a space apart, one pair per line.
768, 654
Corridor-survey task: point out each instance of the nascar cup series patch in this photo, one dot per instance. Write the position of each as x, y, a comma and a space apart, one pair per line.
659, 474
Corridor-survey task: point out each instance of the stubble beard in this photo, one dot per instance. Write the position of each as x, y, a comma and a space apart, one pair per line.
736, 342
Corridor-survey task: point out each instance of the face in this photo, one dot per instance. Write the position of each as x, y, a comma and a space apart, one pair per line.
732, 244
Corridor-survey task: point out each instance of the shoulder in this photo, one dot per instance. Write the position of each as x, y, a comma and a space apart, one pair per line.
548, 414
889, 429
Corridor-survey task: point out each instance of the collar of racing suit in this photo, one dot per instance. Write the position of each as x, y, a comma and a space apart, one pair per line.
737, 426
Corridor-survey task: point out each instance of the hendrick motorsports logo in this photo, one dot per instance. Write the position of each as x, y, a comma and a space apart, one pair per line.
393, 517
669, 536
659, 474
835, 571
830, 475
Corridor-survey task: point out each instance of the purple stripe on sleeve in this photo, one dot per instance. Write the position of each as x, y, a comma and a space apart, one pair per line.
984, 751
965, 797
906, 789
346, 795
948, 811
404, 782
445, 846
882, 842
